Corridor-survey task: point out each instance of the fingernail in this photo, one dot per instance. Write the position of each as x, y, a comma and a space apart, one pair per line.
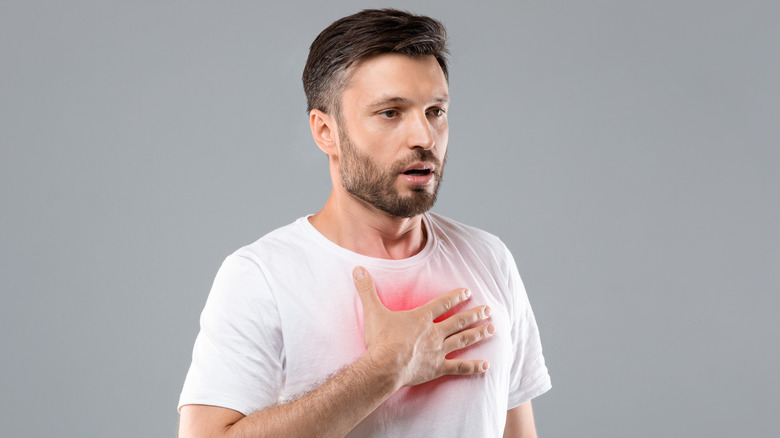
491, 329
487, 311
466, 293
358, 273
485, 366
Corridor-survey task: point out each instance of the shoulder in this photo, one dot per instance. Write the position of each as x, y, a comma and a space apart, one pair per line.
281, 242
254, 263
458, 233
245, 277
475, 243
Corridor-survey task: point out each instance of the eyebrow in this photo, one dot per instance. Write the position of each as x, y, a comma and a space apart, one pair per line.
387, 100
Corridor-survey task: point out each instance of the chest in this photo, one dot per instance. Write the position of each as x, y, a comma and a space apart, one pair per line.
322, 319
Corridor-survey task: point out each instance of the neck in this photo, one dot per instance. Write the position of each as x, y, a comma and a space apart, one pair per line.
361, 228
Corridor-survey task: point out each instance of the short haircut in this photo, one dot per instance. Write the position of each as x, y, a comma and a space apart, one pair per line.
361, 36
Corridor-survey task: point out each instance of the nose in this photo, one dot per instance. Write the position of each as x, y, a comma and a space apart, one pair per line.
421, 132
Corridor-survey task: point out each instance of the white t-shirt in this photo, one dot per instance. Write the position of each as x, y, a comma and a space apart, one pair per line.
283, 316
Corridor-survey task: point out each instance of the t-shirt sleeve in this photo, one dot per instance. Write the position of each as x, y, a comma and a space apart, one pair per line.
528, 377
238, 354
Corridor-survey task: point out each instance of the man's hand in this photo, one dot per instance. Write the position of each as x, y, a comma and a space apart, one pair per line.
411, 344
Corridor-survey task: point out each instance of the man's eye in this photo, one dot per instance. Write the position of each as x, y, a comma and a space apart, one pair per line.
389, 114
438, 112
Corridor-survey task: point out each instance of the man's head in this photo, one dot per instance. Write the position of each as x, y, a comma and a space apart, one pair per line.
378, 96
361, 36
392, 155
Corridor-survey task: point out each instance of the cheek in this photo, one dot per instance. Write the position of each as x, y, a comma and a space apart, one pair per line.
441, 141
442, 129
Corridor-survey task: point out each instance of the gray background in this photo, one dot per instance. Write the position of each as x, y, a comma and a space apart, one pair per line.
626, 151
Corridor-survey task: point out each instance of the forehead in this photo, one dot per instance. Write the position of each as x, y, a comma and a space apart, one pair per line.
393, 75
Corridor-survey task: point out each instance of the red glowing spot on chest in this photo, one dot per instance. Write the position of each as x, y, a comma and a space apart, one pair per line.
412, 296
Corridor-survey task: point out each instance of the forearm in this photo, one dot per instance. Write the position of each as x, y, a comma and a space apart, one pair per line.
520, 422
333, 409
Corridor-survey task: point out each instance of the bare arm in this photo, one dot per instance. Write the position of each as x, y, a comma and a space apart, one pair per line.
335, 407
402, 349
520, 422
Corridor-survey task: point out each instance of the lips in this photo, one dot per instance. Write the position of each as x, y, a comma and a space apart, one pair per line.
419, 169
420, 173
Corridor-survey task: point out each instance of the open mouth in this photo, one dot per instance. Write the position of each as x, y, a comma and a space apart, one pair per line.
417, 172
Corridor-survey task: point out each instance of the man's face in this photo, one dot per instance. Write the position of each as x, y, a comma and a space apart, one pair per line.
393, 133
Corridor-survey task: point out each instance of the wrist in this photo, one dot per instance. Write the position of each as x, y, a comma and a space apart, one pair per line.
384, 367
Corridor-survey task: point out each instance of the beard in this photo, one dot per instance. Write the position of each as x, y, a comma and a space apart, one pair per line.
369, 182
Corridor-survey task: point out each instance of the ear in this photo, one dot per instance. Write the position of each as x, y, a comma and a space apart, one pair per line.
324, 131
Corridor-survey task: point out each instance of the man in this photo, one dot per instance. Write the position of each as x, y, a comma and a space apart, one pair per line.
341, 323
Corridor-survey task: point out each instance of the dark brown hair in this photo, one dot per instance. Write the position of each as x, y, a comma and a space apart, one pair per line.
359, 37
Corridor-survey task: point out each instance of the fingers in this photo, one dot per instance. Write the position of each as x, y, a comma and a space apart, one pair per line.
465, 367
465, 319
366, 289
441, 305
468, 337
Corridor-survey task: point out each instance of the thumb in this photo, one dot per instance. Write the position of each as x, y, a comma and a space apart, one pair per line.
366, 290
